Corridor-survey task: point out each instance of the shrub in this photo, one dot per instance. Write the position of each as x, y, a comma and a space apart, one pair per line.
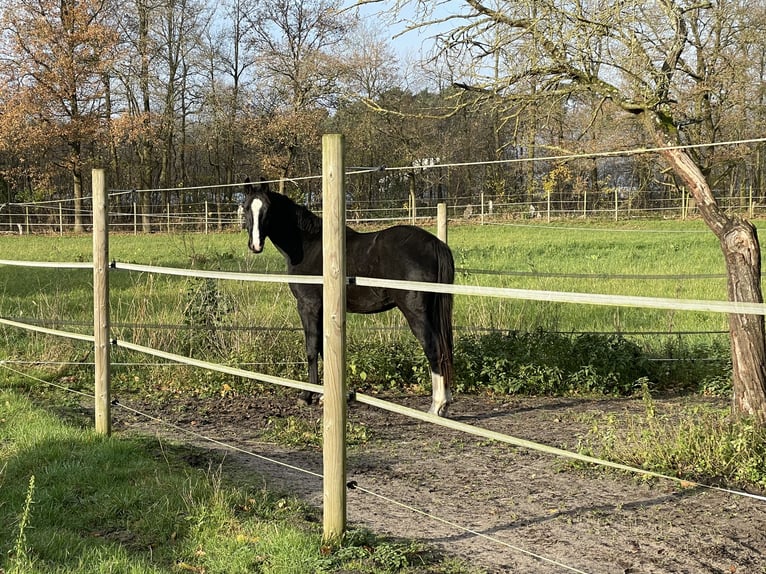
547, 363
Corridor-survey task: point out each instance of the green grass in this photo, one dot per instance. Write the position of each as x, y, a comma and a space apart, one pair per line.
234, 322
77, 502
646, 248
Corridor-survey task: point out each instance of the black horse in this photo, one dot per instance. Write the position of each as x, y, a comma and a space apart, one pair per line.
403, 252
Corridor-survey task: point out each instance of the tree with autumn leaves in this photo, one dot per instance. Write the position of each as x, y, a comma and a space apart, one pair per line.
57, 55
678, 67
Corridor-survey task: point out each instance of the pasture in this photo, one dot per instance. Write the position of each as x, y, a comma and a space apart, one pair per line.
257, 323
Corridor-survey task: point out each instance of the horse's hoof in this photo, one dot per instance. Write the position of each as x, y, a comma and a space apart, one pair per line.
439, 411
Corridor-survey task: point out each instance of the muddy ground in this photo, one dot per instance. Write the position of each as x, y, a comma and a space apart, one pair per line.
495, 505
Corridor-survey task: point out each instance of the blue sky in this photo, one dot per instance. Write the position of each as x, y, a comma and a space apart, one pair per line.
408, 44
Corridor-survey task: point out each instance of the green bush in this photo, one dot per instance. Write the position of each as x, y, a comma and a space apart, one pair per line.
543, 363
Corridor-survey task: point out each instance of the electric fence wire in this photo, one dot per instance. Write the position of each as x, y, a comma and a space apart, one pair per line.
356, 171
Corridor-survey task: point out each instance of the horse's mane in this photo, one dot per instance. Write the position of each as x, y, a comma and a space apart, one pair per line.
306, 221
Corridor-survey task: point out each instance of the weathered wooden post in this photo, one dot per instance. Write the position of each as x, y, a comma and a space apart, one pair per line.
101, 301
441, 221
585, 203
334, 329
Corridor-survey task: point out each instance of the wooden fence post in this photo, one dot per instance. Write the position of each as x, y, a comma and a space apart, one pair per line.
101, 301
334, 328
441, 221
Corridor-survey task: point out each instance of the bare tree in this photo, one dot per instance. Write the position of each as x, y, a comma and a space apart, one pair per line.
298, 43
668, 62
229, 59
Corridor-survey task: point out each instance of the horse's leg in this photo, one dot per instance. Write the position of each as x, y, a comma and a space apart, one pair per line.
415, 309
312, 331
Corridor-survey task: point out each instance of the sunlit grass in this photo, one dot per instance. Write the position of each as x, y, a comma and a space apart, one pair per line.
258, 322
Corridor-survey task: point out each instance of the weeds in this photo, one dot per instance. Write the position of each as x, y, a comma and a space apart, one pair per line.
361, 548
21, 562
300, 432
699, 443
207, 309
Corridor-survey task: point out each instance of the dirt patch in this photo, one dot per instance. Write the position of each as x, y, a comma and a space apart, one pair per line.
495, 505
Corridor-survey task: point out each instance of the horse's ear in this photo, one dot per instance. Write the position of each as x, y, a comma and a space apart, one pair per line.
264, 185
249, 189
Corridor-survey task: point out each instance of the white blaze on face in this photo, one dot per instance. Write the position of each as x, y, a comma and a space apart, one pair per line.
255, 232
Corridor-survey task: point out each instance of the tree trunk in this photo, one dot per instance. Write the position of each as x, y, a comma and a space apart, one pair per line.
742, 255
748, 350
77, 185
145, 146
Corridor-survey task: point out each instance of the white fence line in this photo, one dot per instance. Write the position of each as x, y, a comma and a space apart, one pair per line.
711, 306
231, 275
47, 331
48, 264
227, 370
571, 297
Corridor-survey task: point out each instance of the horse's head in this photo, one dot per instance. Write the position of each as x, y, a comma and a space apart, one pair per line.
256, 215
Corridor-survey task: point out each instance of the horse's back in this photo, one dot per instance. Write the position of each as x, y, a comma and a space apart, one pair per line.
402, 252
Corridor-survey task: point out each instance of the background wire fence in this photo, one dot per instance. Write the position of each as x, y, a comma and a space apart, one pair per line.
128, 216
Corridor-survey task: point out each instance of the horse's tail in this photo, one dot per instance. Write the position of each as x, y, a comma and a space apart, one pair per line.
443, 312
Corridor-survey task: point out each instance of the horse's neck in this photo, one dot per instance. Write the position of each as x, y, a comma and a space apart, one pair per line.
301, 228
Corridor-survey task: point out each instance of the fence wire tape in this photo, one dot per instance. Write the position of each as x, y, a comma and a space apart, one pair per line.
47, 331
531, 445
231, 275
569, 297
476, 290
50, 264
233, 371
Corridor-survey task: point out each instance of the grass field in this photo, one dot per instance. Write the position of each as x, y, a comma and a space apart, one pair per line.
225, 320
534, 253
